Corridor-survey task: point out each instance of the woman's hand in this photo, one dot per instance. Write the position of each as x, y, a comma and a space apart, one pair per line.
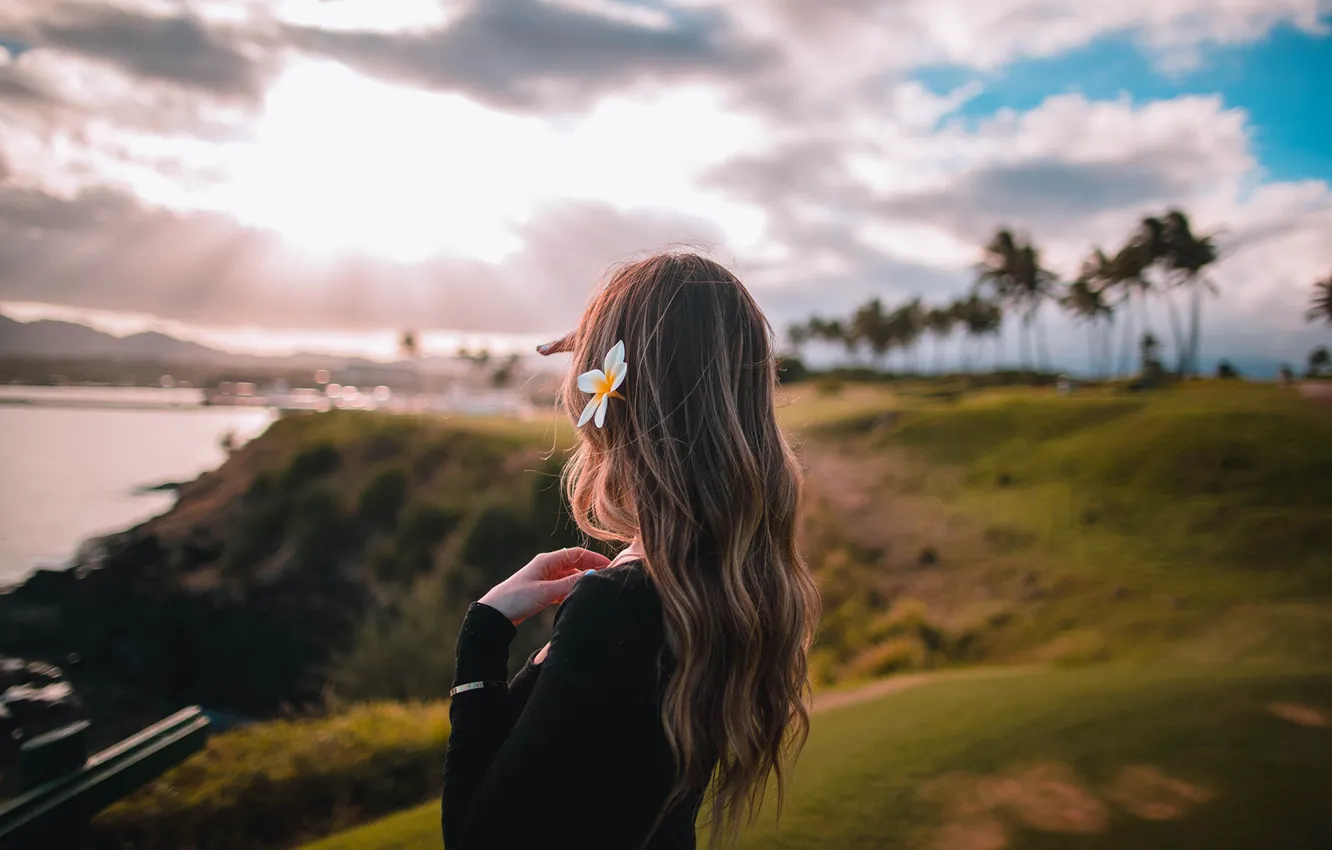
547, 579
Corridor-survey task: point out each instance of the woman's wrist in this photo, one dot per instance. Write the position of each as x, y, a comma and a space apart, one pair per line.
491, 600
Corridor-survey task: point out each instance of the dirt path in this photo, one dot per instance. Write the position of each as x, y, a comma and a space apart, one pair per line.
1317, 391
837, 699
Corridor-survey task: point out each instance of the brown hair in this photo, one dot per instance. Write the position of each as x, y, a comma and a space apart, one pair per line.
693, 463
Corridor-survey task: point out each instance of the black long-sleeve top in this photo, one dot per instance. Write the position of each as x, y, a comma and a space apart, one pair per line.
572, 753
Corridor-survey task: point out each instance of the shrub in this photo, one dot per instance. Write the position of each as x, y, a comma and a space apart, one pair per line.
830, 387
499, 542
313, 463
259, 535
902, 653
321, 531
405, 652
383, 498
906, 617
271, 785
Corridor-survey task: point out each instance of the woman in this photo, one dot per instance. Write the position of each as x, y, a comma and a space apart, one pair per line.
684, 659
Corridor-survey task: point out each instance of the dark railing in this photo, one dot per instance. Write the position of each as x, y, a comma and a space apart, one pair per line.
61, 788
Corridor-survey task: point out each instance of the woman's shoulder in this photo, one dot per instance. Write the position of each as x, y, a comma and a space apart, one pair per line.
620, 594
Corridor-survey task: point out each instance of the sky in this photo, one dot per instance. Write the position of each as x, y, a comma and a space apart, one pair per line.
320, 174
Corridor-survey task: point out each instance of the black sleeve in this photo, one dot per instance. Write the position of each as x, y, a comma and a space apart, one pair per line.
580, 764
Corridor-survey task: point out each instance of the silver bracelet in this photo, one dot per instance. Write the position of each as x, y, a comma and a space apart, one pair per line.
472, 686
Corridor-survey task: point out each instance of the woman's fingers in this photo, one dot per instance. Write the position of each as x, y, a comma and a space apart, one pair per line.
561, 564
562, 587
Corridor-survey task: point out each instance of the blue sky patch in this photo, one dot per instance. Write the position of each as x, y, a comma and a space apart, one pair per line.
1281, 82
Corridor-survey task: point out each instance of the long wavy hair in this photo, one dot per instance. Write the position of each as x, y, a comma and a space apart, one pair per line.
694, 465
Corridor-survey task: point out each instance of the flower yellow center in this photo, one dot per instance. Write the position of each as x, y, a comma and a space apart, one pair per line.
603, 385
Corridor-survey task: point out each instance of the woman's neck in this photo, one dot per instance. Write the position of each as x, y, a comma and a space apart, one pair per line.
632, 552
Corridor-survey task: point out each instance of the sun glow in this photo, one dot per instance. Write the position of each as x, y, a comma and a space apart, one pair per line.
341, 164
344, 164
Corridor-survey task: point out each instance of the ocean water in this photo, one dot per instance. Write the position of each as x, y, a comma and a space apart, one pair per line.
72, 459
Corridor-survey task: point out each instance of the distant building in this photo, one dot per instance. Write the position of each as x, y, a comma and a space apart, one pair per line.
399, 377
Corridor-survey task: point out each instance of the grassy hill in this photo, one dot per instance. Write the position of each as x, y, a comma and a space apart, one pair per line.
1190, 524
1161, 757
1159, 564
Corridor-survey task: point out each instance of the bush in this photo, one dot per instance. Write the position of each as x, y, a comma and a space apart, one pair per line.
321, 532
893, 656
499, 542
405, 652
383, 499
313, 463
271, 785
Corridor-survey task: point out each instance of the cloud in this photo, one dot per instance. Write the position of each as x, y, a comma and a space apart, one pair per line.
879, 34
897, 208
180, 49
862, 182
523, 54
105, 250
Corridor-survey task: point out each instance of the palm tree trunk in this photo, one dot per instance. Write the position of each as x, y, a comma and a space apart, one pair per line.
1181, 350
1108, 345
1044, 344
1126, 355
1195, 326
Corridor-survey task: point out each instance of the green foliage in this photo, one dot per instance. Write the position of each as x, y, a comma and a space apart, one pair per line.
320, 530
269, 785
403, 651
1207, 474
383, 499
312, 463
499, 541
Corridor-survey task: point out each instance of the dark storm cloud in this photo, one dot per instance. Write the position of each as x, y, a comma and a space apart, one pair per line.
103, 249
526, 53
180, 49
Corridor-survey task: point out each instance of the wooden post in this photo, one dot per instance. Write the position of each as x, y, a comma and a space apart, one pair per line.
47, 758
63, 787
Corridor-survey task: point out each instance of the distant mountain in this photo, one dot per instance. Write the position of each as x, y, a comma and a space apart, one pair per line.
50, 339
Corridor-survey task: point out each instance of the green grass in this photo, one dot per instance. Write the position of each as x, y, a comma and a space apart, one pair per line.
261, 784
1162, 757
1213, 475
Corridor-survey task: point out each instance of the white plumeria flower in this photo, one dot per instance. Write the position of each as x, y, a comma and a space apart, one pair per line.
603, 383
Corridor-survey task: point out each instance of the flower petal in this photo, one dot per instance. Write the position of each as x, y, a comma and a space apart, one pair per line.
615, 355
590, 382
617, 374
591, 408
601, 411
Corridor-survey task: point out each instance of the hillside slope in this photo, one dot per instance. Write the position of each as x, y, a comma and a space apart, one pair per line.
1008, 525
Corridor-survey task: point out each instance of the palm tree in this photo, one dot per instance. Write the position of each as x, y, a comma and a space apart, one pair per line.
1188, 255
981, 318
1013, 272
1085, 300
1128, 276
830, 331
409, 345
834, 331
869, 324
1318, 361
1152, 240
1320, 305
939, 323
905, 326
797, 334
